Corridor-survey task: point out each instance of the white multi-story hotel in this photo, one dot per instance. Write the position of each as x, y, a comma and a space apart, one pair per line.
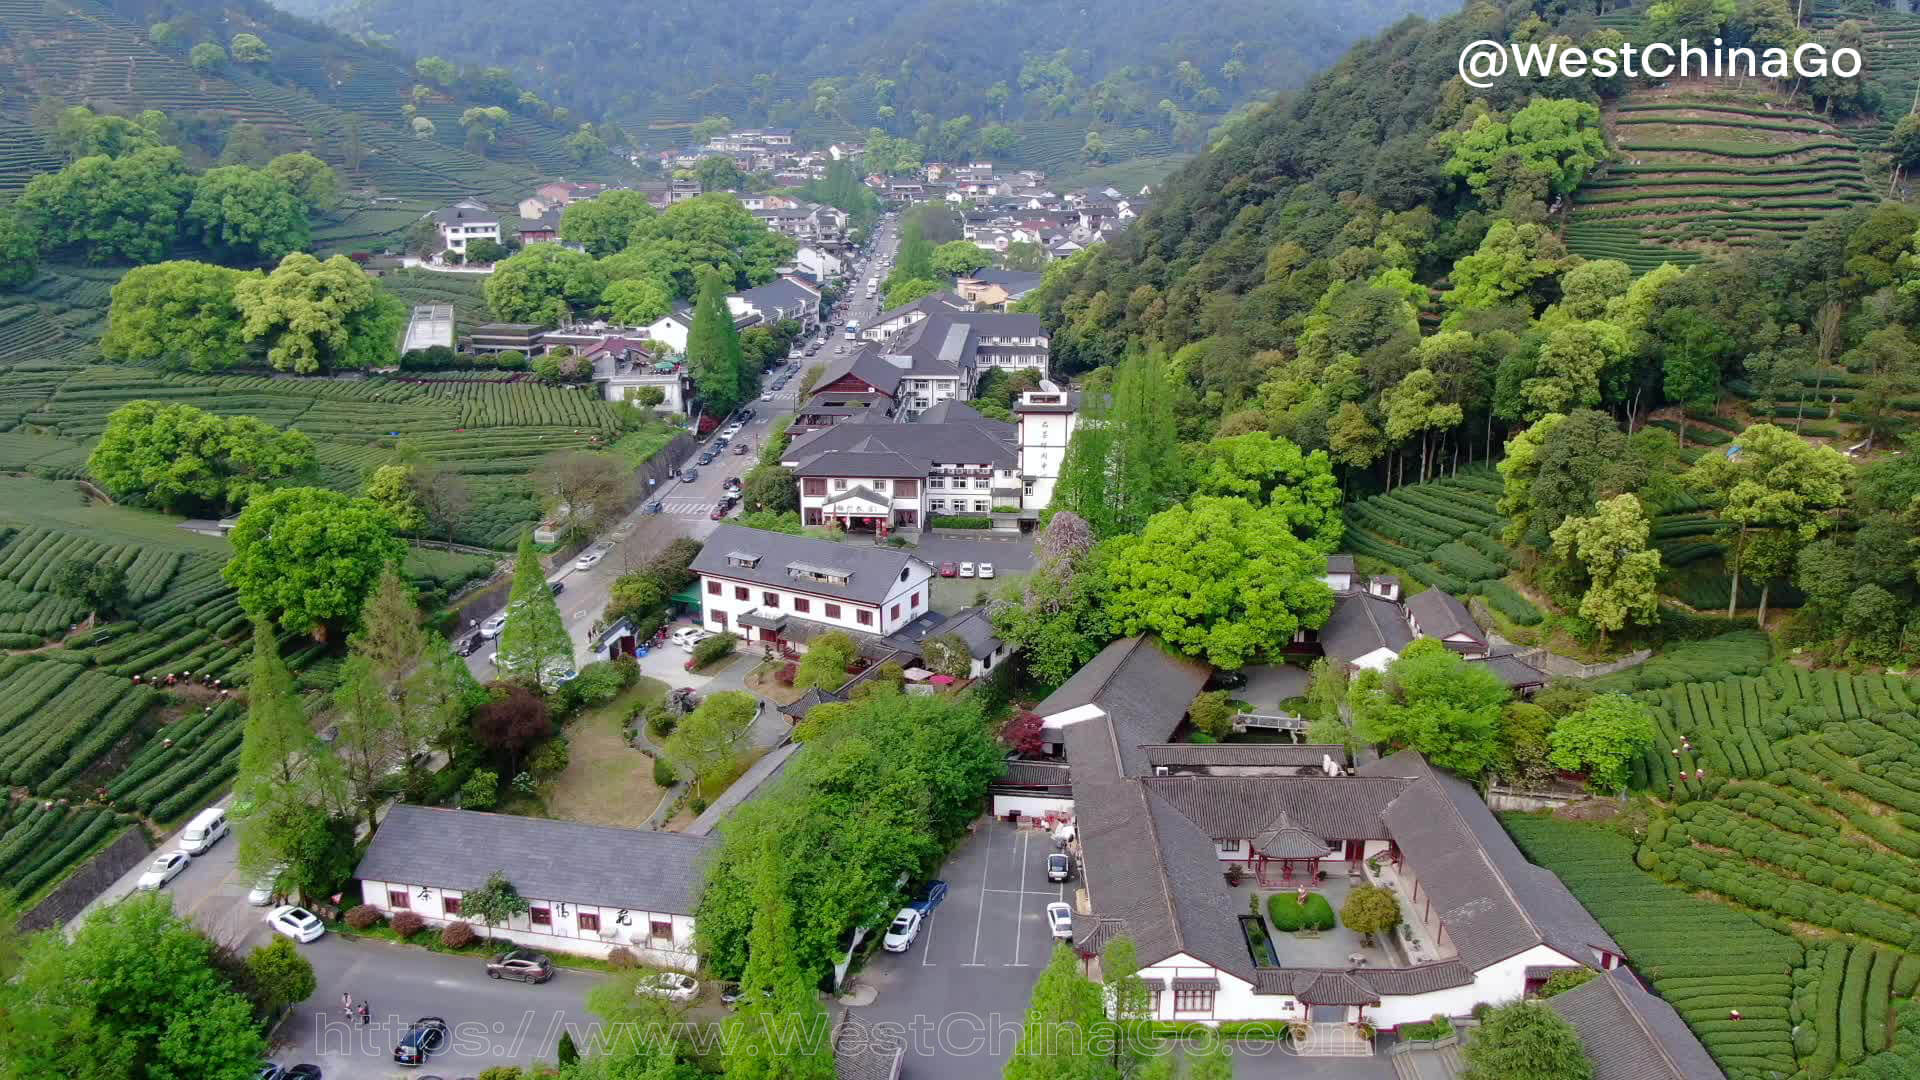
773, 588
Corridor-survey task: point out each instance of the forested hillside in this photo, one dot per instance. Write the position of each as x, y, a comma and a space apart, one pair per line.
943, 73
248, 71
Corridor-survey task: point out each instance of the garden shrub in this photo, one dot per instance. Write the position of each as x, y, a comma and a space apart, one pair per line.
458, 935
621, 958
407, 923
363, 916
1288, 913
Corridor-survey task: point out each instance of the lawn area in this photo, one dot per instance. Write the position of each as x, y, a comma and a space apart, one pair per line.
637, 447
606, 781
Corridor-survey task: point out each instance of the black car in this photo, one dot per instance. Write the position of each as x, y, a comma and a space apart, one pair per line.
745, 415
706, 458
302, 1071
427, 1036
469, 644
688, 476
653, 506
556, 587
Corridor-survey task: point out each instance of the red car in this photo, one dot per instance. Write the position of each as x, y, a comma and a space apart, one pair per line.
718, 513
947, 569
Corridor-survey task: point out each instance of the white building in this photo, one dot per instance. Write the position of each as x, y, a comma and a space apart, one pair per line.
589, 888
882, 476
774, 588
464, 222
1160, 825
430, 326
1046, 420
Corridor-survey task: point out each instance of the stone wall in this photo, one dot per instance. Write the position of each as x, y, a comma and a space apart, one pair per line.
94, 877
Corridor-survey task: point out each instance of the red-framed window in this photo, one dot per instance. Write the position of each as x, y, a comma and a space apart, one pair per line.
914, 601
450, 905
588, 920
865, 617
740, 592
771, 599
397, 899
661, 929
713, 588
800, 604
540, 916
833, 611
896, 611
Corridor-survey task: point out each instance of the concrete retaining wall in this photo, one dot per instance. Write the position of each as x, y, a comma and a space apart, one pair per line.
94, 877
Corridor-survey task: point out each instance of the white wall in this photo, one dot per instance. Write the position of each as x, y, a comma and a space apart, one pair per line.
564, 933
884, 622
1031, 806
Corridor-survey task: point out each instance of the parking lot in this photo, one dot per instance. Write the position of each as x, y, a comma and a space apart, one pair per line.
960, 991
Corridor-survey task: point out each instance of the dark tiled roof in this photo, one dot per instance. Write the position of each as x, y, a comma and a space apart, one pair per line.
1257, 755
1334, 988
466, 215
1282, 839
1037, 774
805, 703
545, 860
781, 293
873, 571
1014, 282
1340, 808
1630, 1034
861, 1052
1494, 903
1513, 671
1142, 687
867, 364
1362, 623
1356, 982
1339, 564
843, 450
1439, 615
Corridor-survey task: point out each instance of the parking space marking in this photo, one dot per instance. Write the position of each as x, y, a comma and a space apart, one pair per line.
980, 913
1026, 838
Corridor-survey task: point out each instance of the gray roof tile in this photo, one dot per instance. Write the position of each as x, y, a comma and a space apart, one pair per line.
872, 570
1630, 1034
545, 860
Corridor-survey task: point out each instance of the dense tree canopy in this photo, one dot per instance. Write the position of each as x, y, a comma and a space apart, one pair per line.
181, 458
177, 315
319, 316
309, 557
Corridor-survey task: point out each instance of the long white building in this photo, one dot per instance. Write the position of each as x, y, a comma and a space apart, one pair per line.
773, 588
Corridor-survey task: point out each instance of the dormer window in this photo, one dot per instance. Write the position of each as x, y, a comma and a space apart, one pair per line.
745, 559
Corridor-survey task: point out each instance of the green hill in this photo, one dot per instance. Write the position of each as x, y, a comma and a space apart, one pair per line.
321, 92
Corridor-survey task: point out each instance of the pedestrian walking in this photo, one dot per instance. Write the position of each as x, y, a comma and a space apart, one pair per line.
346, 1005
366, 1014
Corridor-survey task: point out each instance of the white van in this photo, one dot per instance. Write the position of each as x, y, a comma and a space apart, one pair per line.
206, 828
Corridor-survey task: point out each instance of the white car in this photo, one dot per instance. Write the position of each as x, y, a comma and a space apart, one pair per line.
589, 559
164, 869
494, 624
670, 985
767, 396
986, 569
1060, 921
688, 636
262, 892
732, 429
906, 927
297, 923
966, 569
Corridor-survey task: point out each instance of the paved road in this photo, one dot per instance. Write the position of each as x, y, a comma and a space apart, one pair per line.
492, 1023
685, 506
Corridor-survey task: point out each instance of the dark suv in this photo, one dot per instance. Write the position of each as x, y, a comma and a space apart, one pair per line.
523, 965
427, 1036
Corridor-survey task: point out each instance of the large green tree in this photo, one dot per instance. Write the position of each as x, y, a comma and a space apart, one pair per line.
178, 315
604, 225
311, 180
320, 316
309, 557
534, 645
247, 215
1526, 1040
110, 209
1770, 478
719, 366
1557, 140
134, 994
1601, 738
1217, 578
180, 457
1622, 570
1067, 1034
543, 284
1433, 701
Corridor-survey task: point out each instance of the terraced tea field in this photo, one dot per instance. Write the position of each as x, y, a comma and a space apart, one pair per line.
1703, 168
